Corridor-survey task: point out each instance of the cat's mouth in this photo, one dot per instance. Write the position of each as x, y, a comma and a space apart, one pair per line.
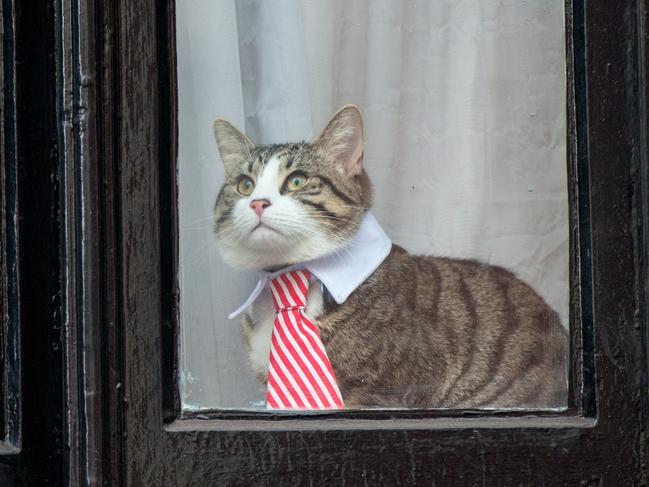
263, 227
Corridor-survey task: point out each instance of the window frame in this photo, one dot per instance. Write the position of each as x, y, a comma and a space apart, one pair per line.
10, 410
32, 357
116, 146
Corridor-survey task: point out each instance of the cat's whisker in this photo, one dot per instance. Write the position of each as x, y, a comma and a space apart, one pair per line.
197, 254
320, 232
337, 219
203, 219
230, 230
197, 223
196, 226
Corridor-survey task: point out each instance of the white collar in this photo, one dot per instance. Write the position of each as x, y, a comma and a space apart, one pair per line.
343, 271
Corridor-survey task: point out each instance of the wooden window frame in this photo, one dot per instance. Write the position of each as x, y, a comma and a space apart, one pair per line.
10, 410
113, 111
33, 357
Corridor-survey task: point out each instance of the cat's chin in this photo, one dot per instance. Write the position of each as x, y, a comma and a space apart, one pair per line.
242, 256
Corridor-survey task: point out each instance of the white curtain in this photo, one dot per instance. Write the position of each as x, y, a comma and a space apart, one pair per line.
465, 122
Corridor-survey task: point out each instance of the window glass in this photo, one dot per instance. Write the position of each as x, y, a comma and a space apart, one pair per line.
463, 138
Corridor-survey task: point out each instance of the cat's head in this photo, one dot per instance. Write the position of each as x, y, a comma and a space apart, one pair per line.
288, 203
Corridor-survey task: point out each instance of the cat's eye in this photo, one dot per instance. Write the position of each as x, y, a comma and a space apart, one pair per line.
295, 181
245, 186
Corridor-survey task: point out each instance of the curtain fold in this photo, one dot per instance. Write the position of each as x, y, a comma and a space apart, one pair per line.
465, 120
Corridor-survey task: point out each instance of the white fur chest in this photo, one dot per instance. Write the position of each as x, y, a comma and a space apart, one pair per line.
262, 313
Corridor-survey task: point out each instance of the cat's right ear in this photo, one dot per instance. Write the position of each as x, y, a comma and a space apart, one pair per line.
342, 141
234, 146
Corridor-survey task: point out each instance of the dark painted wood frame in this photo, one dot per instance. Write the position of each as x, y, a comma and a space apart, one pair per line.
33, 427
109, 140
10, 410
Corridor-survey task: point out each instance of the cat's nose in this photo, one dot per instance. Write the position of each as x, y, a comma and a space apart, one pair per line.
259, 206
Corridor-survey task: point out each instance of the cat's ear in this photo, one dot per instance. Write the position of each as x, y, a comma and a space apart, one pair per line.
234, 146
343, 140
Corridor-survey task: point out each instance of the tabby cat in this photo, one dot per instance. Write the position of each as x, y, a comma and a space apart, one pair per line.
420, 331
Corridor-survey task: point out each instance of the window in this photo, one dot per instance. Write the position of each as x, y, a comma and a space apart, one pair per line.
464, 116
97, 197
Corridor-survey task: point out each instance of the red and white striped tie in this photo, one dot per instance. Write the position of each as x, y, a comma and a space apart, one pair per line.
299, 374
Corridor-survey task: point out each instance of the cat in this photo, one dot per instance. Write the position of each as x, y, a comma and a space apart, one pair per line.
420, 331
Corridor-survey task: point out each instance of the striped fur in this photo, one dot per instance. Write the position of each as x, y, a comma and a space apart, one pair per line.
421, 331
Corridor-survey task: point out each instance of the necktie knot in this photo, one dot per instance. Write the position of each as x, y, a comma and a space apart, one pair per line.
289, 290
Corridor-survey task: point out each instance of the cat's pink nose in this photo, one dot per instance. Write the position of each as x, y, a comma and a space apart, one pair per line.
259, 206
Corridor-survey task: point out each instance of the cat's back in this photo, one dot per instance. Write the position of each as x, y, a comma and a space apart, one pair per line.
457, 289
479, 335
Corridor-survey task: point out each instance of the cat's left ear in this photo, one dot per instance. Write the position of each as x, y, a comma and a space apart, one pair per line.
343, 140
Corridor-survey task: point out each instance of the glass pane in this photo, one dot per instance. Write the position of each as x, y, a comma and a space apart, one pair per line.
464, 141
